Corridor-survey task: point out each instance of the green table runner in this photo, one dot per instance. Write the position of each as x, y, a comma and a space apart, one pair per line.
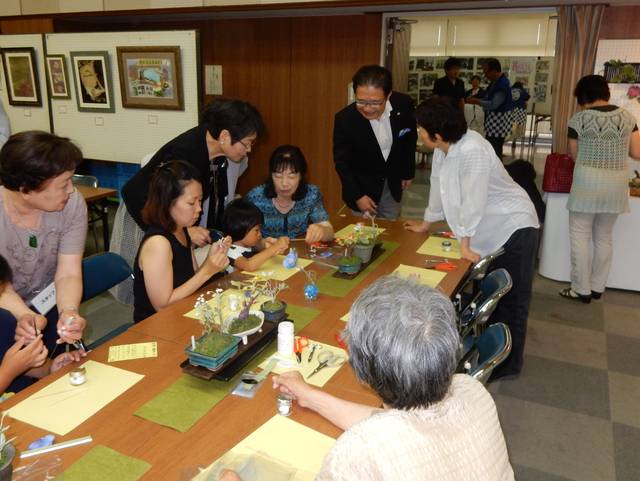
104, 464
183, 403
337, 287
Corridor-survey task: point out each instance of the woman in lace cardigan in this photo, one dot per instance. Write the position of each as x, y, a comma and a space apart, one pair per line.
601, 136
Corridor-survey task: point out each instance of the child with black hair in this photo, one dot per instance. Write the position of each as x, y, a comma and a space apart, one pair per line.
23, 363
242, 221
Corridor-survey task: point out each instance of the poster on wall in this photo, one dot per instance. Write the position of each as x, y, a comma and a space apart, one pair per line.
21, 76
57, 77
92, 80
150, 77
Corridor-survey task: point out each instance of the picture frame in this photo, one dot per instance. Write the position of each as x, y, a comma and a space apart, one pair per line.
150, 77
92, 81
57, 77
21, 76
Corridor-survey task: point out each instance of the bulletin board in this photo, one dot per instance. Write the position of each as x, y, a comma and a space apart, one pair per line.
536, 73
26, 117
126, 134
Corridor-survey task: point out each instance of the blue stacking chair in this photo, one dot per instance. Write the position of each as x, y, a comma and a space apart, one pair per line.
100, 273
493, 346
492, 288
471, 284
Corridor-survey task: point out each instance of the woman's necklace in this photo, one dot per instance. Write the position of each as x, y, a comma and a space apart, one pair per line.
15, 220
283, 207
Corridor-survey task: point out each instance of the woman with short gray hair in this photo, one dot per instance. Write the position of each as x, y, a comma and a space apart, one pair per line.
433, 425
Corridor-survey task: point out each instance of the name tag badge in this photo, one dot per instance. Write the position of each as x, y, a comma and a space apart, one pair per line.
45, 301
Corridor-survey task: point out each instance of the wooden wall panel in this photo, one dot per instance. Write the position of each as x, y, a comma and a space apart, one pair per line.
255, 55
327, 51
20, 26
620, 23
294, 70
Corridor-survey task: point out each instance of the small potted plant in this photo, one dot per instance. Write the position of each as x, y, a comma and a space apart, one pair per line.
348, 263
214, 347
7, 453
274, 309
365, 241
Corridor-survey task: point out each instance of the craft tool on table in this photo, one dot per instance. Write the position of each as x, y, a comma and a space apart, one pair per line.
298, 346
442, 265
327, 359
56, 447
313, 350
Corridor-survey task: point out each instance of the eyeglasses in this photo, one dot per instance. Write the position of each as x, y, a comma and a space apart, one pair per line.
247, 146
370, 103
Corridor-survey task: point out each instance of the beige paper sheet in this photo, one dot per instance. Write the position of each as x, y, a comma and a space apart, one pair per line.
305, 367
225, 304
61, 407
428, 277
125, 352
346, 317
433, 247
348, 230
276, 270
284, 441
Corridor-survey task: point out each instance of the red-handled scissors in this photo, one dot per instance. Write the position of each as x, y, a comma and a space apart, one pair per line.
299, 344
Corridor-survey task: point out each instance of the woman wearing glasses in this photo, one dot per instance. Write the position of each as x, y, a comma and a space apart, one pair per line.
217, 149
290, 206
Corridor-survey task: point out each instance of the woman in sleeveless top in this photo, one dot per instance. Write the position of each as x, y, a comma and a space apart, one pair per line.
165, 269
601, 136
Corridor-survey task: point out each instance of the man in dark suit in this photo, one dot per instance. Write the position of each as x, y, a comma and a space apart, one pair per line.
374, 143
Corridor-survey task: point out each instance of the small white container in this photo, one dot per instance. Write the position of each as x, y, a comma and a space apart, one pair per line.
285, 338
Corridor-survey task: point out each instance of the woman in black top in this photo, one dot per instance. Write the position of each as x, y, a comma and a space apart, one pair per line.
165, 269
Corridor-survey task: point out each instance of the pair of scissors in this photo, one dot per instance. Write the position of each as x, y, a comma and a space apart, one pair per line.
327, 359
299, 344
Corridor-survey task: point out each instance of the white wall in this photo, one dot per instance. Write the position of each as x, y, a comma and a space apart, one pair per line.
20, 117
127, 134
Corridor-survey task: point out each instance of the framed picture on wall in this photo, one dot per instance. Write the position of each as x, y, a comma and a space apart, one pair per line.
92, 80
21, 76
57, 77
150, 77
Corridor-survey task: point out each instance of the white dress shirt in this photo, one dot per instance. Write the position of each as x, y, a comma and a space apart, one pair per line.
382, 130
471, 189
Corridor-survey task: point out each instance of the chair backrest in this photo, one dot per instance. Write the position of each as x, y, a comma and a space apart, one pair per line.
88, 180
492, 288
101, 272
494, 345
475, 275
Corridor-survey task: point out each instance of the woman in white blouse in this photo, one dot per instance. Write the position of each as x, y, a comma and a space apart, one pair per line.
485, 209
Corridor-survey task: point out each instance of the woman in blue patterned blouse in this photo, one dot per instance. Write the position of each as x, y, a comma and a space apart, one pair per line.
291, 207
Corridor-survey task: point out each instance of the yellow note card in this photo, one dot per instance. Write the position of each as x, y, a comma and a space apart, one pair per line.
224, 302
346, 317
428, 277
61, 407
433, 247
125, 352
306, 368
273, 269
348, 230
292, 445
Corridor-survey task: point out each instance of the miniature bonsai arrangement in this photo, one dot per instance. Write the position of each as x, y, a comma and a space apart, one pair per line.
621, 72
7, 451
214, 343
348, 263
273, 309
358, 246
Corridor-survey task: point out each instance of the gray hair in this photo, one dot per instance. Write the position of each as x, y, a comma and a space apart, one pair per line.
403, 342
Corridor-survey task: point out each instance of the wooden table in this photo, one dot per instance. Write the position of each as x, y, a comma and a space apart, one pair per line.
174, 455
95, 198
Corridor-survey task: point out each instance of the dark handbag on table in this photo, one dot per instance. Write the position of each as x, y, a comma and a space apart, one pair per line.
558, 173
